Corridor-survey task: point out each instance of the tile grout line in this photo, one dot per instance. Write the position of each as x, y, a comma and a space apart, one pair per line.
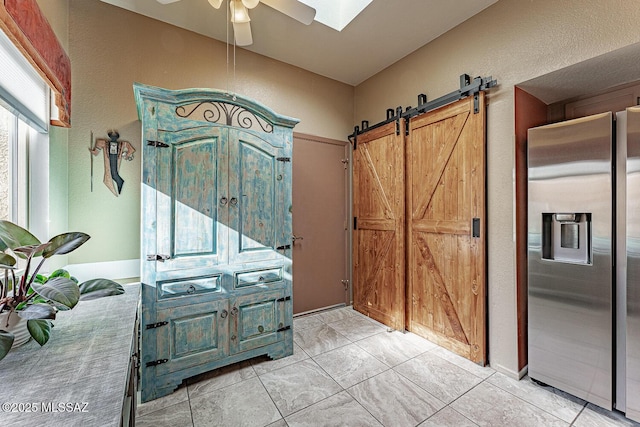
584, 405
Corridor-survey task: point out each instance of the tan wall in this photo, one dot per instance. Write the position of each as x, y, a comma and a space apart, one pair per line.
513, 40
57, 13
110, 48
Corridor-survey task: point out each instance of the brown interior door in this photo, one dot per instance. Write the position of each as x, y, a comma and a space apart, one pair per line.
319, 223
378, 236
446, 227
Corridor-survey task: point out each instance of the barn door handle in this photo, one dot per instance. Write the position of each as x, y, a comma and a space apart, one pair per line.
475, 227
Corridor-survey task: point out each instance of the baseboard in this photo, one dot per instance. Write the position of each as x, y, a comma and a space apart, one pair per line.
516, 375
114, 270
524, 371
317, 310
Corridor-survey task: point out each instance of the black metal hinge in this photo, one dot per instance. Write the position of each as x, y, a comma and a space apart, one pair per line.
156, 362
286, 328
283, 247
283, 159
156, 325
288, 298
157, 144
158, 257
355, 222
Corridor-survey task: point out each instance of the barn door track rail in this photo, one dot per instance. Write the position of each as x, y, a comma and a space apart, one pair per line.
468, 88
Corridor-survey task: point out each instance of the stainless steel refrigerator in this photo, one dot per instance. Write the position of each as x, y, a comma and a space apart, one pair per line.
584, 258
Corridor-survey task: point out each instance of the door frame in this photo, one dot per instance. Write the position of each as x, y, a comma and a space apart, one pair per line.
348, 153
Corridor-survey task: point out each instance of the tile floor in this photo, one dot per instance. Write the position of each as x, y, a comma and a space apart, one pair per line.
348, 370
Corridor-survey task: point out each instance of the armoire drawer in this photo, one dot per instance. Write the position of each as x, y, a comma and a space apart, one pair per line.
257, 277
188, 287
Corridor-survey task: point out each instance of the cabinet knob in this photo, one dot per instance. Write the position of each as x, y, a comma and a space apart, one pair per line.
233, 337
223, 201
191, 289
233, 201
234, 311
224, 314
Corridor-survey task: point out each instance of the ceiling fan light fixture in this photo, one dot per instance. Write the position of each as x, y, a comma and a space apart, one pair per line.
250, 4
242, 33
239, 13
215, 3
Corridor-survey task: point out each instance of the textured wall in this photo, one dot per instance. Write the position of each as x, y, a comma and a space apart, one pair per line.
111, 48
513, 40
57, 13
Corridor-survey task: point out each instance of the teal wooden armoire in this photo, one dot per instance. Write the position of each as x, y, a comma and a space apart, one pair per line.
215, 233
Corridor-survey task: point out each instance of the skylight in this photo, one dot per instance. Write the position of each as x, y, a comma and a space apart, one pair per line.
337, 14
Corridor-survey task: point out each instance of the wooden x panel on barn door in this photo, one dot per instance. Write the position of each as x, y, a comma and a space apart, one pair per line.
378, 238
445, 192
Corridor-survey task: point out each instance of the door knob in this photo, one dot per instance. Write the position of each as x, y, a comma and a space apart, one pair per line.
294, 238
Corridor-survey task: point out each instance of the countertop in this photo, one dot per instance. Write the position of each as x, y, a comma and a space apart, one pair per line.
80, 375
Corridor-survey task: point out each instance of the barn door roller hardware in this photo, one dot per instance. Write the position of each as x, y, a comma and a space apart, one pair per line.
468, 87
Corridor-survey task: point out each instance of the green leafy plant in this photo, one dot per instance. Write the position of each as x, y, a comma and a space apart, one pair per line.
35, 297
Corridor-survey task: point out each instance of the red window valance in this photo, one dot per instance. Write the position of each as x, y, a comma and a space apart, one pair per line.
26, 26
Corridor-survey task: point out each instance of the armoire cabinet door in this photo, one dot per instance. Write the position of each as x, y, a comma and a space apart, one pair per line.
194, 334
260, 198
255, 320
192, 198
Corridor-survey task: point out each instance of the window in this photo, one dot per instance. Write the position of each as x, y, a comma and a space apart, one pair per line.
24, 151
14, 168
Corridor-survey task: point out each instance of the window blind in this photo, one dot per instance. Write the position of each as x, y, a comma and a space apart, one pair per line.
22, 90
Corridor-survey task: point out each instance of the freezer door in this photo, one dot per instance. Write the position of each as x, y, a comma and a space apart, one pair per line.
570, 210
633, 264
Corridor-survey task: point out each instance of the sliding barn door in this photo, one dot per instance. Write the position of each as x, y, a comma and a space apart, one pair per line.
446, 227
378, 236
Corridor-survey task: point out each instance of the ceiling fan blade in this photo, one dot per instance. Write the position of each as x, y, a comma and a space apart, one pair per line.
242, 33
294, 9
250, 4
167, 1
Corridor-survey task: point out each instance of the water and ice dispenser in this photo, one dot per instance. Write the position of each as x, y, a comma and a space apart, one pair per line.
566, 237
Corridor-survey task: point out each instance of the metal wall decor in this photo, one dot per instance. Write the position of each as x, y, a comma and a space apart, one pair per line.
225, 114
113, 151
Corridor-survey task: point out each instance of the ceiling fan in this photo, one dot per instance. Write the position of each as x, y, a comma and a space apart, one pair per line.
240, 14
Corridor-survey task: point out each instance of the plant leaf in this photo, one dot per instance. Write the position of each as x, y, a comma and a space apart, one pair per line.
7, 261
59, 290
98, 288
61, 272
13, 236
40, 330
31, 250
65, 243
6, 341
38, 311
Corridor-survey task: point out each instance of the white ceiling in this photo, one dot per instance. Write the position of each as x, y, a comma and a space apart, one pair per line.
385, 31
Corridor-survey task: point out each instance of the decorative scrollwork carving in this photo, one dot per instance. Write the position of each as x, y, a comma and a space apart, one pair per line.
224, 113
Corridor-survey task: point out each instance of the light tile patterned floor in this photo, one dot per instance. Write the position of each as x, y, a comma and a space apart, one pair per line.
348, 370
